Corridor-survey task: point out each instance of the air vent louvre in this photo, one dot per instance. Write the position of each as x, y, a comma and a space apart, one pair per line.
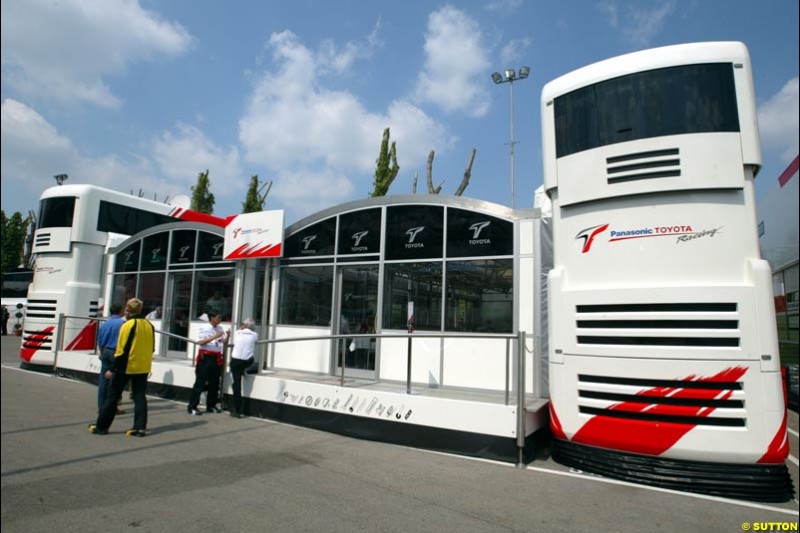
688, 401
695, 324
653, 162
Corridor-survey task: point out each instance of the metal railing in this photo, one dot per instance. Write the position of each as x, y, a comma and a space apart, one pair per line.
62, 318
340, 341
520, 337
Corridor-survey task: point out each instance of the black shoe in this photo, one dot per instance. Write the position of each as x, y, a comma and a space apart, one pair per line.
93, 429
195, 412
213, 410
237, 415
135, 433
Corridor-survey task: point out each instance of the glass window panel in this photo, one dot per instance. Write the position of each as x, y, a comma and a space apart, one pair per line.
151, 291
128, 259
420, 283
313, 241
178, 315
480, 296
414, 232
209, 247
360, 232
214, 293
127, 220
472, 234
56, 212
124, 289
154, 251
669, 101
305, 296
183, 245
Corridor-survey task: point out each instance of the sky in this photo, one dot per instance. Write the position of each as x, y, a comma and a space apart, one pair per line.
142, 95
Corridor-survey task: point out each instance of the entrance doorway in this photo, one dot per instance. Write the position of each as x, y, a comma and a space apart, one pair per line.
358, 305
177, 313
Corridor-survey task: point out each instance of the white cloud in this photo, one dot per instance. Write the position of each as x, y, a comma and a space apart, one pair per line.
319, 144
182, 154
514, 51
610, 10
51, 48
778, 121
503, 5
33, 151
639, 22
456, 64
330, 58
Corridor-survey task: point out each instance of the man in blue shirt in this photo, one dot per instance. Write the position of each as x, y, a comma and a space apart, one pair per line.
107, 341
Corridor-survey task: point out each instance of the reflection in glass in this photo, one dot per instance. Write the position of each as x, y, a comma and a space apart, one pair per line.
179, 311
420, 283
305, 296
480, 296
154, 251
209, 247
359, 301
214, 293
183, 244
124, 289
151, 291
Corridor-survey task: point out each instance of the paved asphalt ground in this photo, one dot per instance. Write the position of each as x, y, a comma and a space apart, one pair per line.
217, 474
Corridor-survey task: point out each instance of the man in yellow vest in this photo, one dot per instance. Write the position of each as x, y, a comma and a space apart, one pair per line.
132, 362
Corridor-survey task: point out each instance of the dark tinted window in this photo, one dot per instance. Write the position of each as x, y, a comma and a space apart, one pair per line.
471, 234
305, 296
209, 247
670, 101
127, 220
316, 240
128, 259
56, 213
183, 245
414, 232
420, 283
15, 284
213, 293
480, 296
124, 289
154, 251
360, 232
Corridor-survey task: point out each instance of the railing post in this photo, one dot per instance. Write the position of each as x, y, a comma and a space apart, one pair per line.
521, 398
342, 351
408, 366
59, 340
508, 364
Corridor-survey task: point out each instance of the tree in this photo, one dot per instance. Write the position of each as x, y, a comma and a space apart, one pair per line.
202, 199
14, 230
464, 181
254, 201
387, 167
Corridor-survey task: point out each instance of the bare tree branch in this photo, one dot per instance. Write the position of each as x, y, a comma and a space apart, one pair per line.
467, 174
263, 197
431, 189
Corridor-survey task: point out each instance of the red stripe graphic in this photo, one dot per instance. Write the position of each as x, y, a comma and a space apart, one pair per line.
85, 339
194, 216
255, 250
555, 424
790, 171
34, 342
778, 449
654, 438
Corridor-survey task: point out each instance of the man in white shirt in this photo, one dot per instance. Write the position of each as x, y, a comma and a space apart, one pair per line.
243, 355
211, 341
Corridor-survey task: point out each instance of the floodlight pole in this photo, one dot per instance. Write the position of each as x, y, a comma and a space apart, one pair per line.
511, 89
510, 77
